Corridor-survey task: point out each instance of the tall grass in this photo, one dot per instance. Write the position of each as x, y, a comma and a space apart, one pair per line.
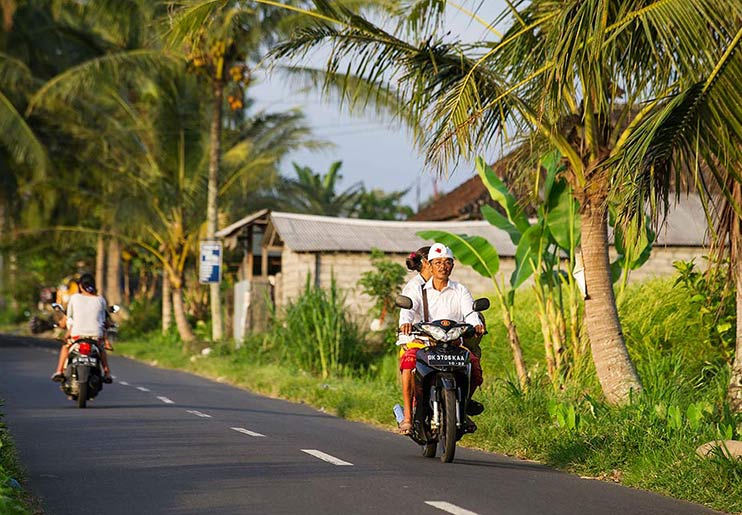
316, 334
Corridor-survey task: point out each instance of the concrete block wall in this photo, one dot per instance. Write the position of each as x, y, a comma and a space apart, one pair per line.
347, 268
661, 259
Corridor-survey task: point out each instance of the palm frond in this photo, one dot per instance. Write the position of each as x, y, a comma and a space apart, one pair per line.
359, 95
90, 75
699, 128
19, 139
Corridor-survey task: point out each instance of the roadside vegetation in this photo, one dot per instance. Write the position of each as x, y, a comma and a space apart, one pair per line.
12, 496
649, 443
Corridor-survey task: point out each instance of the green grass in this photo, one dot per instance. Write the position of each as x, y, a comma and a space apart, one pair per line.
649, 444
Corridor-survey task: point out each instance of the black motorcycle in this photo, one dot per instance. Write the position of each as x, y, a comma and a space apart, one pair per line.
83, 371
83, 374
442, 383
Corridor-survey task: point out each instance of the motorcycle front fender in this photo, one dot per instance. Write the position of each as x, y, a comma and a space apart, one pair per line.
447, 381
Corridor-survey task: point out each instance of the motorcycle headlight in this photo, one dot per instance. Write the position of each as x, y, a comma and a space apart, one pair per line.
436, 332
455, 333
443, 335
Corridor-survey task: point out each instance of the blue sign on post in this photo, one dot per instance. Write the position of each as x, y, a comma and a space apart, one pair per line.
210, 264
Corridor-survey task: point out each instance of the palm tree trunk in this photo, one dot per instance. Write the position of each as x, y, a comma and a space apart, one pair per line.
734, 391
100, 263
3, 219
167, 303
212, 208
614, 368
113, 275
184, 329
127, 282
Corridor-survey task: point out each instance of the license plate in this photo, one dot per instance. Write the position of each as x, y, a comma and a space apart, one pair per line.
447, 360
85, 360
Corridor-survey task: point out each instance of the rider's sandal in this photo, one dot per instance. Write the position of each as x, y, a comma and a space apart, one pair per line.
57, 377
405, 427
469, 426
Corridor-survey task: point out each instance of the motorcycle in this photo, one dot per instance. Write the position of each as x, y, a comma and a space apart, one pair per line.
83, 372
442, 384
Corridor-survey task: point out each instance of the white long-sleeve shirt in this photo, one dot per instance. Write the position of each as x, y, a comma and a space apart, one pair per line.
454, 302
86, 315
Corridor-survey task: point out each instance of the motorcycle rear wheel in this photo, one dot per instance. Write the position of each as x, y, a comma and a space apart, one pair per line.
82, 395
448, 431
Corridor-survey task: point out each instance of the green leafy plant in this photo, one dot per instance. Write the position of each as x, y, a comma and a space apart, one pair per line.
383, 283
564, 415
713, 299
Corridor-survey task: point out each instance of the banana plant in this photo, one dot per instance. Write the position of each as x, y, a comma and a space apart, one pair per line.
541, 247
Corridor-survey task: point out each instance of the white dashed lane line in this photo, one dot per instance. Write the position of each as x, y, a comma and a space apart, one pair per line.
143, 389
326, 457
122, 383
166, 400
198, 413
246, 431
450, 508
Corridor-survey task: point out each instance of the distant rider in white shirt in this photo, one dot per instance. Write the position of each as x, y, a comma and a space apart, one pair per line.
86, 318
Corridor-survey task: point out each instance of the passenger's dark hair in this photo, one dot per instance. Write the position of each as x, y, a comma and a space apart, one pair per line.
415, 260
87, 282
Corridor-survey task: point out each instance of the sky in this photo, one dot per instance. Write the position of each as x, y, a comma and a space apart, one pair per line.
376, 153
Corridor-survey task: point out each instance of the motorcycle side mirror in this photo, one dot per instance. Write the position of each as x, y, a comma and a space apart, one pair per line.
57, 307
114, 308
481, 304
403, 302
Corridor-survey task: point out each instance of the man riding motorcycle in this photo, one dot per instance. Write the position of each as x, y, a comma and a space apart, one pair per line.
439, 298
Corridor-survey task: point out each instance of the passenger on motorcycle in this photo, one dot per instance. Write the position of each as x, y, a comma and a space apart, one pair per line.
86, 318
439, 298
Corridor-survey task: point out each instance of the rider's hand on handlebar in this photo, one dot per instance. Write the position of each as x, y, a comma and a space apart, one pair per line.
405, 328
479, 329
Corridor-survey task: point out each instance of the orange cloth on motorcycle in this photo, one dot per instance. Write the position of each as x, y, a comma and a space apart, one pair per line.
86, 315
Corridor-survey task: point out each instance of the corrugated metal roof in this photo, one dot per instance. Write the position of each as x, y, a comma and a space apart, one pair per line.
311, 233
239, 224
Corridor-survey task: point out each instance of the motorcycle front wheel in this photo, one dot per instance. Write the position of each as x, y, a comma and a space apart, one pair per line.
448, 431
82, 395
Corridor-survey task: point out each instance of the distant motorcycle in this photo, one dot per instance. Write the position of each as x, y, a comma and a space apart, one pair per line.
41, 324
442, 377
83, 373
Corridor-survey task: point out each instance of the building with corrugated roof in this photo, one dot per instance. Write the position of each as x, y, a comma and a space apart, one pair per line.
277, 252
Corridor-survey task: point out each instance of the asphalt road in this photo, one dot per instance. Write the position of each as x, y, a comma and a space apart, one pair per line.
164, 442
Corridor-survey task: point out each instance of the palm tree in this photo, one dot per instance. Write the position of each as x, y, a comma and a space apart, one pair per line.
578, 76
223, 40
314, 193
694, 136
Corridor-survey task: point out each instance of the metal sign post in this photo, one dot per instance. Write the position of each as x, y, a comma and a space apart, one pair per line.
210, 262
